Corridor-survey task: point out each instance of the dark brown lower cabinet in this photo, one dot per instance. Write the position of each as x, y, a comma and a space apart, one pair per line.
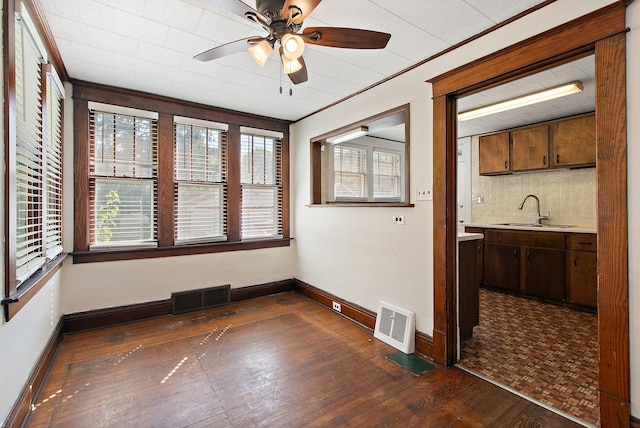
469, 286
544, 273
501, 266
582, 267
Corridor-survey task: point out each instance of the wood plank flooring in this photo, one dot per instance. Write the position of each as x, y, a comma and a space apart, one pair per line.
277, 361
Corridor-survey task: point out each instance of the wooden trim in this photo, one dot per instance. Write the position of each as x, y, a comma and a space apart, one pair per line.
600, 32
107, 317
556, 44
286, 188
613, 280
157, 103
635, 423
165, 175
80, 175
184, 250
31, 389
363, 316
254, 291
234, 187
316, 172
437, 55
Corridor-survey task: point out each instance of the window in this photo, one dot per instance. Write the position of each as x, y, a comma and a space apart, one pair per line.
177, 179
34, 155
123, 180
365, 172
200, 181
365, 163
261, 186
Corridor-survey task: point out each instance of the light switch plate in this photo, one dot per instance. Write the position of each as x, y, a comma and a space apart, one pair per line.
424, 193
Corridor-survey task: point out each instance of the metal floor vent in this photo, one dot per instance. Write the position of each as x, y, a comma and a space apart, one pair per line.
396, 327
203, 298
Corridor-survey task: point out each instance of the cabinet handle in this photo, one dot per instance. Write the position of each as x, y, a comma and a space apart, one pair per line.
528, 255
506, 164
585, 243
515, 254
575, 261
544, 160
558, 158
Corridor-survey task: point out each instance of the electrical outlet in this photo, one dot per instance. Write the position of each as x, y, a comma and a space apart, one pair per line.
337, 307
398, 219
424, 193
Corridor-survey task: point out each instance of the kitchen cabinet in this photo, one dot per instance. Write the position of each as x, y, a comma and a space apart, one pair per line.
530, 148
468, 286
494, 154
573, 142
582, 278
529, 263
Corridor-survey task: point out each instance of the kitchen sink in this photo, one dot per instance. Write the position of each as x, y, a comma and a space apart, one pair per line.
560, 226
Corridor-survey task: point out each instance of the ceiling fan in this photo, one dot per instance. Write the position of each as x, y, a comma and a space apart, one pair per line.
283, 20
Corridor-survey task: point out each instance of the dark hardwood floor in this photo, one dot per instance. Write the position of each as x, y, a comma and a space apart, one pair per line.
277, 361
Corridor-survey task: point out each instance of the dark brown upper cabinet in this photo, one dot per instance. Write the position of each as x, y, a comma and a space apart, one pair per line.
494, 154
573, 142
530, 148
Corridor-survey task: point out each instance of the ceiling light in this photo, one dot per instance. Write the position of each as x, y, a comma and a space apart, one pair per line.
348, 135
293, 45
290, 65
260, 52
525, 100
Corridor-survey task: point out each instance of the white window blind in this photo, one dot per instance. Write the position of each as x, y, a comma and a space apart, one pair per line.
200, 183
123, 180
261, 181
29, 195
350, 172
386, 175
53, 122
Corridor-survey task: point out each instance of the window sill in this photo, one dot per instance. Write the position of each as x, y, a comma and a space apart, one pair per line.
364, 204
183, 250
31, 287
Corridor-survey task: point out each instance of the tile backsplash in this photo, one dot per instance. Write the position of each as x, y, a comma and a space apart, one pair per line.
567, 196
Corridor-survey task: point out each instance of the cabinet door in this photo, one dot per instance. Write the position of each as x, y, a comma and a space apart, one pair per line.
530, 148
468, 287
501, 266
494, 154
582, 287
544, 273
573, 142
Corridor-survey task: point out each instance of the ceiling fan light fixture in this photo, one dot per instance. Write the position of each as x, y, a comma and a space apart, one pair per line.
260, 52
290, 65
522, 101
292, 46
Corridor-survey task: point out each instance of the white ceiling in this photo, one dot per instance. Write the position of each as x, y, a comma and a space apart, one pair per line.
148, 45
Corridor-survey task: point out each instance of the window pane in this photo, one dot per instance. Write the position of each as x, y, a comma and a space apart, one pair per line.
260, 212
198, 154
350, 168
258, 164
386, 175
124, 212
54, 172
199, 212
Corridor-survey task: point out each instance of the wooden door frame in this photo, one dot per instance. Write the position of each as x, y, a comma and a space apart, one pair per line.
601, 33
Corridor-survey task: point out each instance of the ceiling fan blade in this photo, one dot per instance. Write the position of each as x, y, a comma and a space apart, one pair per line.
352, 38
227, 49
297, 10
300, 76
241, 9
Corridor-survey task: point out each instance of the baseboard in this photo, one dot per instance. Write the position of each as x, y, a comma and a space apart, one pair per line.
101, 318
635, 422
424, 343
22, 406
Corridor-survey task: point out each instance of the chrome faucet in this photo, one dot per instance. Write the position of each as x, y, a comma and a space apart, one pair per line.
539, 217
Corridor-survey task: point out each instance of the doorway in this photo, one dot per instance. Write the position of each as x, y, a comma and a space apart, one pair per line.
601, 33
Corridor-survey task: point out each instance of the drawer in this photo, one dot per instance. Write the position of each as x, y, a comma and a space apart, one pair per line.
582, 241
527, 239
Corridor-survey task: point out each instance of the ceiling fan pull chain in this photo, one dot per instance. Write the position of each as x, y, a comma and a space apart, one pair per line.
290, 89
280, 74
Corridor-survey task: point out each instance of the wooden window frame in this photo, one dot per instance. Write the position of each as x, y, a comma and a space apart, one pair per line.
167, 109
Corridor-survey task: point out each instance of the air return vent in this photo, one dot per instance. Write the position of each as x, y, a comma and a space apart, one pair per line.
193, 300
396, 327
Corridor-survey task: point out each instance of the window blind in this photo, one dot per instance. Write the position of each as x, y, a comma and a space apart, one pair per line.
350, 172
123, 180
386, 175
200, 174
261, 182
29, 197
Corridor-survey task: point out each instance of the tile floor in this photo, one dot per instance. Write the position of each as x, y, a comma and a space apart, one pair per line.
544, 351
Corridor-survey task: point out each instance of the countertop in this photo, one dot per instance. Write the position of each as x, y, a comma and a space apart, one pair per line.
544, 228
465, 236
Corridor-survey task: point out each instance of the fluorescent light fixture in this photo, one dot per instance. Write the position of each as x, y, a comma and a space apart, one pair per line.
292, 45
525, 100
348, 135
260, 52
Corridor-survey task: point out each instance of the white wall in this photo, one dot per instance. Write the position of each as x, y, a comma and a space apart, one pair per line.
633, 141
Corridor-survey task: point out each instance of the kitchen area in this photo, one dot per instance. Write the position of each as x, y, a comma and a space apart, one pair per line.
527, 240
